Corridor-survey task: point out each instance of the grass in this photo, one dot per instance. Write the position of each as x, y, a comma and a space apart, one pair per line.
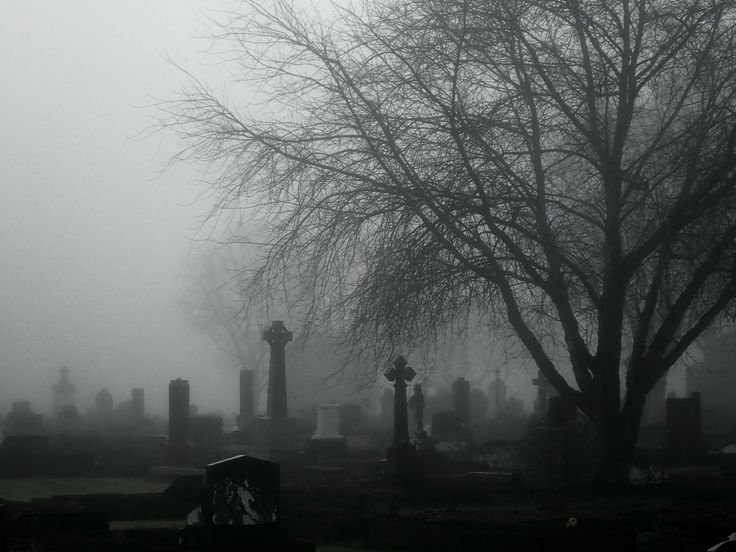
24, 490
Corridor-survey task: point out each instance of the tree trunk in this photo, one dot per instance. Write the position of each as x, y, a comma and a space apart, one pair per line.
615, 467
619, 433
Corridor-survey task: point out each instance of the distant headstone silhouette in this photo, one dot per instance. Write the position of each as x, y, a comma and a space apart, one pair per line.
496, 396
416, 402
63, 392
327, 440
177, 447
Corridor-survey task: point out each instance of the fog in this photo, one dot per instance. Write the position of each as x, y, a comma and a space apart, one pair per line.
95, 238
94, 241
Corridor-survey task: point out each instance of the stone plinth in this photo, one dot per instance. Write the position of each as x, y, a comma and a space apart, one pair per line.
683, 432
328, 422
327, 440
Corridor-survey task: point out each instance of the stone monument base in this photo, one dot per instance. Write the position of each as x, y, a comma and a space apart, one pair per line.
330, 447
272, 436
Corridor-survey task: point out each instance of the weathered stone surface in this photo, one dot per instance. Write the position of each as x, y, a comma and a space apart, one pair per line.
238, 491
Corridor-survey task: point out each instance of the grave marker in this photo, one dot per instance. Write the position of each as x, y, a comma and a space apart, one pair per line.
416, 402
399, 375
177, 447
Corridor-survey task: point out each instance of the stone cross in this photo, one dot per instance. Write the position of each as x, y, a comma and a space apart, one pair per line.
417, 403
277, 336
400, 374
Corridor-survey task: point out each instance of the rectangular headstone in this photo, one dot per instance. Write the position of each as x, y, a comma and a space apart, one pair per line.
238, 491
683, 431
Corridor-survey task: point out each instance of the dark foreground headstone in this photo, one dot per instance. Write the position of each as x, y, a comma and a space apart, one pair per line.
239, 504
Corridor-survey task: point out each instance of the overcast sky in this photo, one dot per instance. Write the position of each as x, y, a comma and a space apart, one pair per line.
92, 243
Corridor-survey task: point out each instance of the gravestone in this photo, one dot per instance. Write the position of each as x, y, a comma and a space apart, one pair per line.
104, 404
399, 375
138, 404
478, 406
247, 399
239, 505
68, 420
683, 437
496, 396
276, 433
63, 392
544, 392
402, 455
416, 403
277, 336
327, 440
178, 447
461, 399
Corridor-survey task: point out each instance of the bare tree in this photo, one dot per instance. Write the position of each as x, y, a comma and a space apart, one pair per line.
563, 167
213, 304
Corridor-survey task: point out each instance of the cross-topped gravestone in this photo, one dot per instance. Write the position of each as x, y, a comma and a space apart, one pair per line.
277, 336
417, 403
400, 374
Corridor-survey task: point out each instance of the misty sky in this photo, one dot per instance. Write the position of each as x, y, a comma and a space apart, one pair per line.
93, 240
93, 243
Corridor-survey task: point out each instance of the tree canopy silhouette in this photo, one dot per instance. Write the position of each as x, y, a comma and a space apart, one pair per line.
563, 166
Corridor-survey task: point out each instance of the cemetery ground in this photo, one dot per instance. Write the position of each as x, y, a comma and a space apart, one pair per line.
348, 506
344, 479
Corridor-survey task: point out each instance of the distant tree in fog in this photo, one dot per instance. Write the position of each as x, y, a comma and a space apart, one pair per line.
213, 305
562, 168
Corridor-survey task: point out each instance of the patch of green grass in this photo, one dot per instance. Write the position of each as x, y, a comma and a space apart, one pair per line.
23, 489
